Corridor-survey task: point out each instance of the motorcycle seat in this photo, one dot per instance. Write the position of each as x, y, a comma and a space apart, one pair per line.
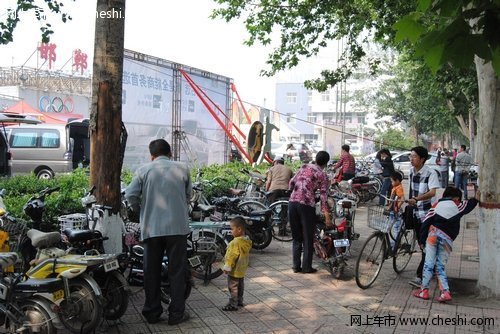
259, 212
361, 179
81, 235
40, 285
8, 259
41, 239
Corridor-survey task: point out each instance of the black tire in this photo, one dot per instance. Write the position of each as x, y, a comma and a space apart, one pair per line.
370, 260
377, 184
165, 289
36, 314
115, 295
338, 271
211, 263
406, 247
281, 225
45, 174
81, 312
260, 239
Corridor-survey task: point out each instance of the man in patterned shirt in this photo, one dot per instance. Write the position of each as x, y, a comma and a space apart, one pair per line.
347, 162
423, 184
302, 212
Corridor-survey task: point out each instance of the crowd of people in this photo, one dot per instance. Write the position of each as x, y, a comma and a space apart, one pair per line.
162, 188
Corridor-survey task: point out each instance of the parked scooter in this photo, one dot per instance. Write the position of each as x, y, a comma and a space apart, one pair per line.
105, 271
332, 245
27, 306
82, 310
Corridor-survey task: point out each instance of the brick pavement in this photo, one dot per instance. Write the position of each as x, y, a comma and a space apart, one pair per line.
279, 301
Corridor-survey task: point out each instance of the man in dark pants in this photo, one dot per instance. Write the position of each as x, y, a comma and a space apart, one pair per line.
302, 212
162, 188
423, 184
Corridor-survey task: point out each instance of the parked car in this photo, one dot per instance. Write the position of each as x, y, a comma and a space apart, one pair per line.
402, 163
300, 151
5, 153
47, 149
371, 157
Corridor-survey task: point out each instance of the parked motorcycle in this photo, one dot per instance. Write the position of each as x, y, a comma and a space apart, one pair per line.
259, 221
83, 306
27, 305
332, 245
112, 284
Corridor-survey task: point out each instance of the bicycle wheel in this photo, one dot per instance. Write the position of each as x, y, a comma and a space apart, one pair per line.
406, 247
370, 260
211, 261
281, 225
246, 207
377, 184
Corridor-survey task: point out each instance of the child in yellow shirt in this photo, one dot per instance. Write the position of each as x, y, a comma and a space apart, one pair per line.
236, 263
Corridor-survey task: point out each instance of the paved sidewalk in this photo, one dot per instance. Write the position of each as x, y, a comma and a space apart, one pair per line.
279, 301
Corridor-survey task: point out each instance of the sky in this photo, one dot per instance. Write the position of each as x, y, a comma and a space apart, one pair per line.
176, 30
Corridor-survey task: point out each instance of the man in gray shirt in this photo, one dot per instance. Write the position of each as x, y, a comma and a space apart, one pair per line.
162, 188
463, 164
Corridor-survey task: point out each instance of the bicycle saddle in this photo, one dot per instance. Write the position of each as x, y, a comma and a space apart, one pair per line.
41, 239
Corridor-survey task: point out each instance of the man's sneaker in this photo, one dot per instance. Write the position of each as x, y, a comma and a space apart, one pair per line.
421, 293
444, 297
416, 282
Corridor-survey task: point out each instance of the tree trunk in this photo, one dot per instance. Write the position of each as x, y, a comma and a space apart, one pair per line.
106, 128
489, 178
472, 137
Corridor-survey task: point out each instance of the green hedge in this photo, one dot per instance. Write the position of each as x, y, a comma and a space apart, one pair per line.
19, 189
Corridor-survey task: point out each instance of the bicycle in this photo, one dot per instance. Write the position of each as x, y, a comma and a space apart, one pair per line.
206, 250
391, 239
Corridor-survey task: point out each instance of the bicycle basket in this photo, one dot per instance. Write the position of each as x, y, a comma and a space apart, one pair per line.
378, 220
74, 221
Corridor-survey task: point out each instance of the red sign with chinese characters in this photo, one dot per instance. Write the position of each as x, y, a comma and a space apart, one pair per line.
48, 52
79, 60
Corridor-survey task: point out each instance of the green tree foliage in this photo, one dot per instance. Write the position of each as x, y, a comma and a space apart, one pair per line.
40, 12
395, 139
304, 27
426, 102
453, 31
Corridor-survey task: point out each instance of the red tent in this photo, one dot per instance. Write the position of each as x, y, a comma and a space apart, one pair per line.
47, 117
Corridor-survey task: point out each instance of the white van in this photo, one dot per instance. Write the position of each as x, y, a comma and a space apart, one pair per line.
47, 149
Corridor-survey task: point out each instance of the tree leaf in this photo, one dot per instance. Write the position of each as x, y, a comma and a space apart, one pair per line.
423, 5
479, 46
434, 57
408, 28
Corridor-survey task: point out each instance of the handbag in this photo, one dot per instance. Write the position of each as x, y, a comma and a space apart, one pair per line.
409, 217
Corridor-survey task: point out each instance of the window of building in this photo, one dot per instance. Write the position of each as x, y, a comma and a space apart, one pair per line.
325, 96
348, 119
361, 119
311, 118
290, 118
309, 96
291, 98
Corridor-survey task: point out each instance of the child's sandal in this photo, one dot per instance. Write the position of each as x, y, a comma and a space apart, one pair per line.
229, 307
